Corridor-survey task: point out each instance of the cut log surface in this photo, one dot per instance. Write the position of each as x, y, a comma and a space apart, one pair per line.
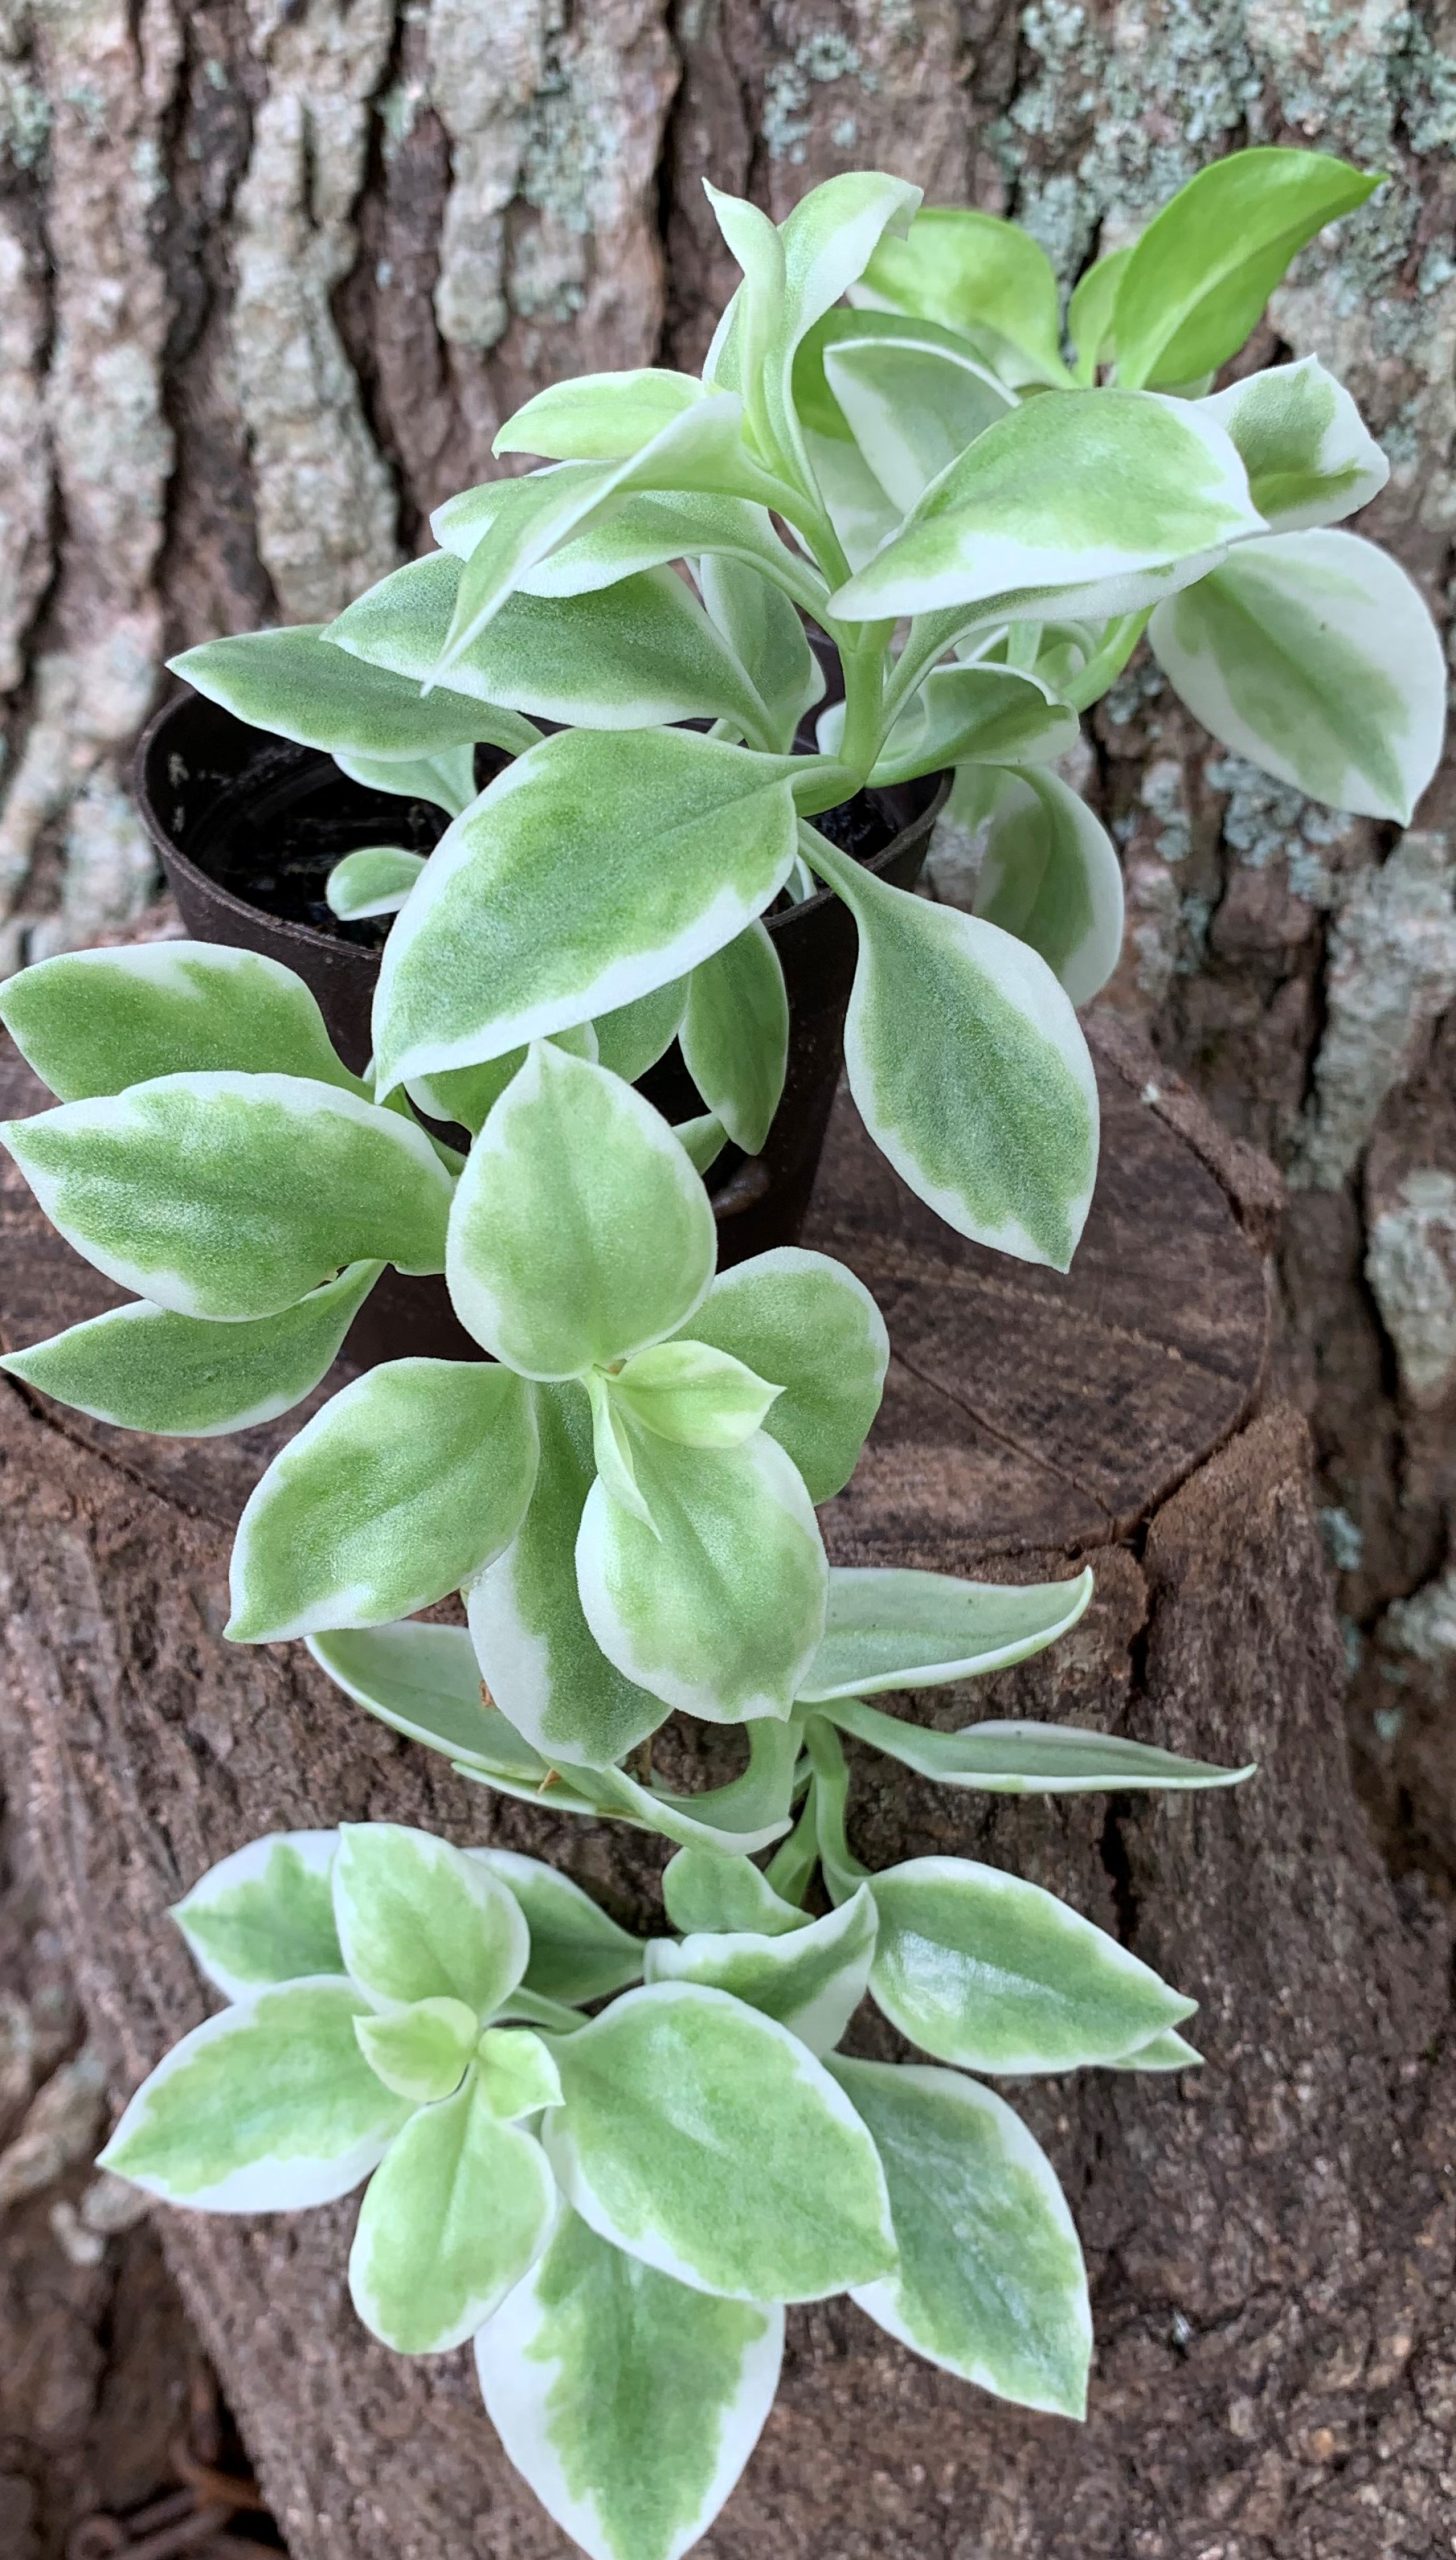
1270, 2241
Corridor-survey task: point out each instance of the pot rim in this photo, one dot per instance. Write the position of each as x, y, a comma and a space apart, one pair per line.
309, 937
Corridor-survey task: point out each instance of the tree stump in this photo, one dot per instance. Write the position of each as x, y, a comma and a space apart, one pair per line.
1270, 2240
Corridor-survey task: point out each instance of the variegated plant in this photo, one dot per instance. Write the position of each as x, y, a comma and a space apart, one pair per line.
654, 2183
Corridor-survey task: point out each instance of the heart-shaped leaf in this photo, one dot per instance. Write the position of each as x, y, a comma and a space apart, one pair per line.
1308, 453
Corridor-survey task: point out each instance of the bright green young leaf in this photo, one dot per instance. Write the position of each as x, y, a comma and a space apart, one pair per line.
301, 687
981, 277
1093, 502
1197, 281
517, 2074
375, 881
981, 1969
1309, 455
232, 1196
599, 417
418, 1920
735, 1035
179, 1376
535, 1650
265, 1914
468, 1095
612, 1449
94, 1022
1090, 313
265, 2109
640, 651
706, 2140
1314, 656
912, 407
701, 449
684, 1391
890, 1628
791, 277
637, 2472
424, 1681
635, 1036
860, 514
1049, 872
990, 2283
718, 1607
1167, 2052
577, 1951
703, 1890
591, 871
409, 1482
450, 2222
420, 2053
765, 629
811, 1979
447, 780
807, 1324
1014, 1759
580, 1231
991, 715
969, 1068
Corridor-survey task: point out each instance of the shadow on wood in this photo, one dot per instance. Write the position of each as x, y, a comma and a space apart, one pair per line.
1270, 2241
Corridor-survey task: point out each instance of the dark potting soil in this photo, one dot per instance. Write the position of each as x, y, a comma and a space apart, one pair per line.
274, 835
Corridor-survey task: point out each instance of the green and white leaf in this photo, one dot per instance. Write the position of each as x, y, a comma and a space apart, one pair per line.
1090, 312
580, 1231
1167, 2052
636, 1035
408, 1483
703, 1890
578, 1952
1309, 455
591, 871
421, 2053
93, 1022
265, 2109
1013, 1759
1314, 656
144, 1369
735, 1035
232, 1196
613, 1449
981, 1969
468, 1095
644, 531
911, 405
811, 1979
861, 515
599, 417
447, 780
984, 278
990, 715
375, 881
640, 2471
689, 1393
516, 2073
990, 2284
969, 1068
748, 1813
765, 630
265, 1914
887, 1627
418, 1920
1095, 502
1197, 280
450, 2222
708, 2141
1049, 872
702, 1140
637, 652
811, 1327
718, 1607
424, 1681
300, 686
532, 1642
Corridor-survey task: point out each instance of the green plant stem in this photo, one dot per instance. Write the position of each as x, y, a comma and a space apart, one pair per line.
843, 1872
795, 1859
1107, 663
537, 2011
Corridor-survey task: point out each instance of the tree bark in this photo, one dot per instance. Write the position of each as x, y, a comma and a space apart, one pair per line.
1270, 2242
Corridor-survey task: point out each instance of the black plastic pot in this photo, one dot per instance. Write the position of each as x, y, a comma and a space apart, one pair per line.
224, 804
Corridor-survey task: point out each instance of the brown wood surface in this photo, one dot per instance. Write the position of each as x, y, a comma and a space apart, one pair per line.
1270, 2241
